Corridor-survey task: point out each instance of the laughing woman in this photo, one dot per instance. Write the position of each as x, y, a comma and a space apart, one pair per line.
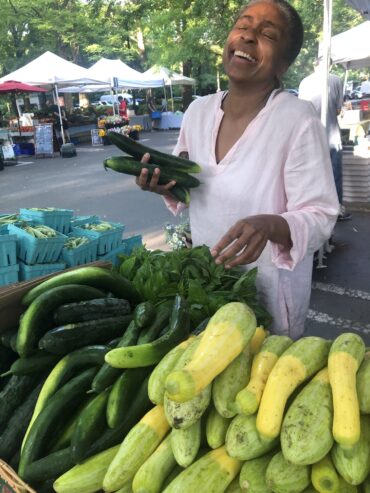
267, 197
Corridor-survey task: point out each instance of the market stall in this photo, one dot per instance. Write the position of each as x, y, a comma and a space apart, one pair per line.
168, 120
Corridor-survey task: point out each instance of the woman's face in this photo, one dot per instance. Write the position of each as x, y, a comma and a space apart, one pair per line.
254, 48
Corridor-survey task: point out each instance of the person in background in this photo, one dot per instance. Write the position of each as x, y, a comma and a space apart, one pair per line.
267, 197
53, 112
123, 109
310, 89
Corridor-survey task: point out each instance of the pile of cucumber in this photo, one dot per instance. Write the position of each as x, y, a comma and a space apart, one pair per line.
60, 401
171, 167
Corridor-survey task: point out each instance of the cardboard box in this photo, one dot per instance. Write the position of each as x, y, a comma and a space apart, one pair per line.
11, 296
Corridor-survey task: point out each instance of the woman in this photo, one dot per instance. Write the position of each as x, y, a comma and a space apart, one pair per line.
267, 197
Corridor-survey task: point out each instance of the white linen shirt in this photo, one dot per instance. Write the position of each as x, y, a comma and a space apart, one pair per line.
280, 165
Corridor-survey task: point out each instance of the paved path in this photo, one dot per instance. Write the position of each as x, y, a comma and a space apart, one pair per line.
341, 292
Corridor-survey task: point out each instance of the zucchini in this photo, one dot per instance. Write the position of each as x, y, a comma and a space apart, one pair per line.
324, 477
153, 472
7, 336
234, 486
185, 443
11, 437
98, 277
258, 339
249, 398
138, 150
90, 424
345, 487
62, 340
151, 353
253, 474
185, 414
306, 433
122, 394
140, 405
60, 405
160, 320
164, 367
216, 428
230, 382
144, 314
211, 473
49, 467
107, 375
88, 476
35, 320
67, 367
345, 357
244, 442
130, 166
298, 363
354, 464
136, 448
363, 384
14, 393
38, 362
83, 311
284, 477
182, 194
227, 333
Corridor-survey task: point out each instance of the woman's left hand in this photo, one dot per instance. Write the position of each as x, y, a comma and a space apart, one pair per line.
245, 241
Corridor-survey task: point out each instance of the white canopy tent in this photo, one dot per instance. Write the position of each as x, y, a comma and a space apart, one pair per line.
50, 70
352, 48
170, 78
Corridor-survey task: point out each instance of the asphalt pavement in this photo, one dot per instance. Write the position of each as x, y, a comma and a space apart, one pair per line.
341, 290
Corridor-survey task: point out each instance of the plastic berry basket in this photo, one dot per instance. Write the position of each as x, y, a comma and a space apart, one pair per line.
33, 250
8, 250
80, 220
82, 254
132, 242
9, 274
107, 240
113, 255
27, 272
58, 219
4, 227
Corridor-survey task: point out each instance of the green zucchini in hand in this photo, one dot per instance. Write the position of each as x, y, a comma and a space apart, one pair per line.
36, 319
83, 311
129, 166
151, 353
97, 277
62, 340
138, 150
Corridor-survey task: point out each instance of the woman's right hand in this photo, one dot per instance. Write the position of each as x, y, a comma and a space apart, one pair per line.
152, 185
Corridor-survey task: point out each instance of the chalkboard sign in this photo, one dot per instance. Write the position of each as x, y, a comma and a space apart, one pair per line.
44, 139
96, 140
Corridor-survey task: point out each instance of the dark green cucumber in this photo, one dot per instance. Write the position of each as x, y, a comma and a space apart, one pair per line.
97, 277
90, 425
129, 166
62, 340
151, 353
6, 337
14, 393
11, 437
36, 319
160, 320
201, 327
38, 362
181, 193
58, 407
138, 150
107, 375
139, 407
144, 314
83, 311
7, 358
49, 467
122, 394
63, 371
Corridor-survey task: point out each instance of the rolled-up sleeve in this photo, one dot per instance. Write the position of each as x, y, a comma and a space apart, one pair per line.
312, 203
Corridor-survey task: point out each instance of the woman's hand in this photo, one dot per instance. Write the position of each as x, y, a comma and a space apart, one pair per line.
245, 241
152, 185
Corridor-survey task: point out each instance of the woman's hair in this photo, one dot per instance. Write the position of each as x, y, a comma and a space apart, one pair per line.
295, 27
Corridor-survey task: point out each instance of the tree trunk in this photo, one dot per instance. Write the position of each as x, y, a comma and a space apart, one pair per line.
187, 91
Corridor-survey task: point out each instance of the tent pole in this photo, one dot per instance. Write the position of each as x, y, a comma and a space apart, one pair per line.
328, 10
171, 96
345, 81
60, 113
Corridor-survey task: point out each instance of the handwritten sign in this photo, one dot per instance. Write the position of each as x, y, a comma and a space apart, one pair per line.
96, 140
44, 139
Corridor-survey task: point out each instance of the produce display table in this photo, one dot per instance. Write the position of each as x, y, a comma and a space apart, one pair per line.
143, 120
168, 120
